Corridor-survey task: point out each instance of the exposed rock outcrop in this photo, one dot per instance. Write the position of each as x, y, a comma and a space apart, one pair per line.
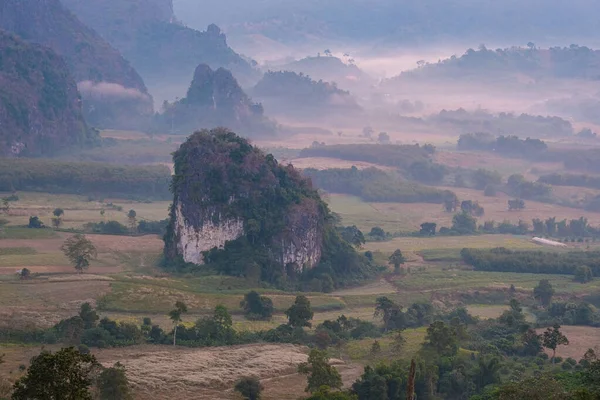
231, 198
163, 50
215, 98
114, 95
237, 211
40, 107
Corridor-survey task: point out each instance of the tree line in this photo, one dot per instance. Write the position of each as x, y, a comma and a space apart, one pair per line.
42, 175
511, 146
372, 184
534, 262
401, 156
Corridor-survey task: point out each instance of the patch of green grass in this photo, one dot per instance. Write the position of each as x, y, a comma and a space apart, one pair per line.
33, 260
158, 295
17, 251
360, 350
417, 244
17, 232
436, 255
365, 216
427, 279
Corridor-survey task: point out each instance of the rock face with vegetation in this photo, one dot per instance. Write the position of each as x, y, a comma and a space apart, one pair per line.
40, 108
237, 210
113, 92
149, 35
215, 98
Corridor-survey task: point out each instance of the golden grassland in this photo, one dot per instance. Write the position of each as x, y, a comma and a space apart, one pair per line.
126, 284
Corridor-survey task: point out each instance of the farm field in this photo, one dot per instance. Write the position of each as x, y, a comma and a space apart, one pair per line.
126, 284
407, 217
325, 163
491, 161
416, 244
581, 338
80, 210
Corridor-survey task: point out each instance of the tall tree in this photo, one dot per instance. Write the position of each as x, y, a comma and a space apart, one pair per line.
249, 387
80, 251
544, 292
64, 375
487, 371
257, 307
552, 338
397, 259
113, 384
88, 315
410, 387
175, 316
442, 339
319, 372
385, 308
132, 217
583, 274
300, 313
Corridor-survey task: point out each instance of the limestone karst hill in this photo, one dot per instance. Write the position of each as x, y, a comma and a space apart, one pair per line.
40, 108
238, 211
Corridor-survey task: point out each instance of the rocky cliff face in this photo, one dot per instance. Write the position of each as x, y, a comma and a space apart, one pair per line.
40, 107
161, 49
235, 206
109, 85
215, 98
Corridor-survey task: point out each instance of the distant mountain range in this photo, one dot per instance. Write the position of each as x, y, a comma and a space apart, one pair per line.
533, 63
393, 22
162, 49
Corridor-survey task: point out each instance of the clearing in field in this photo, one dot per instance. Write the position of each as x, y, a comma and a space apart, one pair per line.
494, 162
405, 218
485, 311
321, 163
165, 372
80, 210
581, 338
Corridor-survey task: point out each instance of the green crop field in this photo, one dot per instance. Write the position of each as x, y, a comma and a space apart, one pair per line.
417, 244
436, 278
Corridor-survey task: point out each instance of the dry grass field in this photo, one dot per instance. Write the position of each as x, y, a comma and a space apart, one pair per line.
164, 372
126, 285
403, 217
325, 163
485, 311
491, 161
79, 210
581, 338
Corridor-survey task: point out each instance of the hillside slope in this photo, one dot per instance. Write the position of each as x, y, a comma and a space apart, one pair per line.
238, 210
40, 108
291, 94
162, 49
113, 91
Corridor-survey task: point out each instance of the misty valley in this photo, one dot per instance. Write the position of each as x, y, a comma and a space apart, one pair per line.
280, 200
